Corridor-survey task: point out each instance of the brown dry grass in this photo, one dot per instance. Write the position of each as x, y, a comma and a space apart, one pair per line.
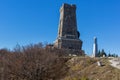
85, 68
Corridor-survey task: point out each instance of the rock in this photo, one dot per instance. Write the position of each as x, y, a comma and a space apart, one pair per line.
99, 63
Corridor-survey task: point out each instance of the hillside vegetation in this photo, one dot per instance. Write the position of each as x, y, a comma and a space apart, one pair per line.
85, 68
32, 62
35, 62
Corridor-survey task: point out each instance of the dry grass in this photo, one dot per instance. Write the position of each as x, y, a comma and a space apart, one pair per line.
86, 69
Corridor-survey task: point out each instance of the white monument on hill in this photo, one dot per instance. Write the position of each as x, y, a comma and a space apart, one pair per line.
95, 48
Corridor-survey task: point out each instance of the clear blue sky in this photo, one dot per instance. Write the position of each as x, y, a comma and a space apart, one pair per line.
33, 21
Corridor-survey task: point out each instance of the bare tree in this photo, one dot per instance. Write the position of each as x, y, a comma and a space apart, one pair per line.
32, 62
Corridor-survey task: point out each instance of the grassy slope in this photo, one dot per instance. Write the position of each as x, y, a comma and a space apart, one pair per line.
85, 68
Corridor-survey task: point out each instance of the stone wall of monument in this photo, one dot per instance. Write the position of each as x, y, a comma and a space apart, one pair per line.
68, 23
67, 31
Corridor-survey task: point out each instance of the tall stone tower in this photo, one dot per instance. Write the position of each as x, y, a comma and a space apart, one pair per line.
68, 36
95, 48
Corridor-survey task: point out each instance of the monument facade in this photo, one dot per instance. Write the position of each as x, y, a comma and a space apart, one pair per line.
68, 35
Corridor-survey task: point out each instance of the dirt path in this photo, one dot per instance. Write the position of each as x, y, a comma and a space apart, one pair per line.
115, 62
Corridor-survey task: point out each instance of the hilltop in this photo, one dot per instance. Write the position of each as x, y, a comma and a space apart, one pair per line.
35, 62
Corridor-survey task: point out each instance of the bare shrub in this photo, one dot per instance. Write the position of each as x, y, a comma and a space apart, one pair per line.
32, 62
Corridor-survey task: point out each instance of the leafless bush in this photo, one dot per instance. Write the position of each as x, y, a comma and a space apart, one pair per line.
32, 62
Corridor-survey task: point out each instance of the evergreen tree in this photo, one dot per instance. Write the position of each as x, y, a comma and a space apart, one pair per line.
116, 55
109, 55
99, 53
103, 53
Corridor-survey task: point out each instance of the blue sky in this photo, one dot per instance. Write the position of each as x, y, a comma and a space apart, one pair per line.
33, 21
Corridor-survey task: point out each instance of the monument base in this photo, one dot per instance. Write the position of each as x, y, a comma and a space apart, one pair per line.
65, 43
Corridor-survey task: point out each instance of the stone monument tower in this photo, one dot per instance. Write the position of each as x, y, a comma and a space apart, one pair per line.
95, 48
68, 36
